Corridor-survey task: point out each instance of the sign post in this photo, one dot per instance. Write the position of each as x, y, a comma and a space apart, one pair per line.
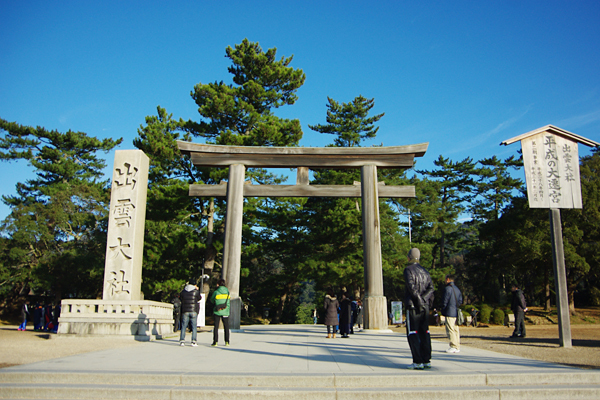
551, 161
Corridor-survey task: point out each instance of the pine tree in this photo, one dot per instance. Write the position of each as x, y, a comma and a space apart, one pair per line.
172, 253
494, 187
349, 122
335, 224
240, 113
57, 225
453, 183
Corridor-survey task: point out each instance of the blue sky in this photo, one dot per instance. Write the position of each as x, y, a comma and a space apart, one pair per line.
461, 75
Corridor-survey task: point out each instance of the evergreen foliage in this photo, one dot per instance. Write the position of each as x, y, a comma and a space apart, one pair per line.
485, 313
349, 122
497, 317
53, 241
304, 313
335, 224
54, 238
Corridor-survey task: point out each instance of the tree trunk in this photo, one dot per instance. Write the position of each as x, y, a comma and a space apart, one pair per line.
572, 301
210, 252
282, 299
547, 289
442, 246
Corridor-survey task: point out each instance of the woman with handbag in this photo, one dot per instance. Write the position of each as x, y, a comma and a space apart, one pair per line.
220, 298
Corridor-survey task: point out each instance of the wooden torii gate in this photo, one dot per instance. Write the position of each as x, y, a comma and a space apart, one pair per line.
368, 159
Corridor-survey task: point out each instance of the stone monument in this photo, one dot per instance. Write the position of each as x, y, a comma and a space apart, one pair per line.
122, 310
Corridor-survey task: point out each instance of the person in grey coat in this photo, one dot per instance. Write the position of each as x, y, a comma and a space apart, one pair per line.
331, 306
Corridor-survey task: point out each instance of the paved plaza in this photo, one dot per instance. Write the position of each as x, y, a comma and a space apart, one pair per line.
295, 359
298, 349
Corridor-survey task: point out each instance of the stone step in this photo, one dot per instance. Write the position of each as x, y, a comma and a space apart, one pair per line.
425, 378
417, 385
151, 392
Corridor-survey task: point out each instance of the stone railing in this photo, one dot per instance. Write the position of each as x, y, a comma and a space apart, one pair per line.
115, 308
142, 319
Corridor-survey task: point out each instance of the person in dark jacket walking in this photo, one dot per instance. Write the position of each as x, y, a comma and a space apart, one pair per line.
189, 296
519, 307
24, 315
345, 315
418, 296
450, 302
38, 312
331, 312
221, 299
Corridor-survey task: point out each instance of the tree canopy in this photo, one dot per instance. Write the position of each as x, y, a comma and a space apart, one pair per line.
470, 218
57, 222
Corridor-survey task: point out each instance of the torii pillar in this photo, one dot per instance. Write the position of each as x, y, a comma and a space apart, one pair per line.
375, 302
232, 248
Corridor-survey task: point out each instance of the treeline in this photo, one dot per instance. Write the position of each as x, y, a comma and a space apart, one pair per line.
469, 218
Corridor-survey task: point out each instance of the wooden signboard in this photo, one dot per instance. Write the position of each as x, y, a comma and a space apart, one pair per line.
551, 162
551, 171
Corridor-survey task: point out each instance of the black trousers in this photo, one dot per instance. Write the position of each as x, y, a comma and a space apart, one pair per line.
519, 323
218, 318
417, 332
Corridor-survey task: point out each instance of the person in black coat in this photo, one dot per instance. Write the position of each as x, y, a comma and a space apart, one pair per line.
345, 315
519, 308
190, 296
418, 297
37, 317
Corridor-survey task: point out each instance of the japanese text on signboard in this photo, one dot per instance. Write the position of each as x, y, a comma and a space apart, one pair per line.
552, 171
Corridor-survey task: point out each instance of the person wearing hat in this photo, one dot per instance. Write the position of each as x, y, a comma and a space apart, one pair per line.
418, 297
189, 296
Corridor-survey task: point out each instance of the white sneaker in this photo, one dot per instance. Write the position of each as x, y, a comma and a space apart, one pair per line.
452, 350
181, 343
415, 366
194, 344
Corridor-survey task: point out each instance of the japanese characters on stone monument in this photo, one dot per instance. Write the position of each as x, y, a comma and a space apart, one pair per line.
125, 239
551, 171
122, 310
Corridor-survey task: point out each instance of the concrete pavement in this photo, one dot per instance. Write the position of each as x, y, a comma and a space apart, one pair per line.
288, 349
299, 356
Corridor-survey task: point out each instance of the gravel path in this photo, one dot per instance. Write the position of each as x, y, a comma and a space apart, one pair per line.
541, 343
28, 347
